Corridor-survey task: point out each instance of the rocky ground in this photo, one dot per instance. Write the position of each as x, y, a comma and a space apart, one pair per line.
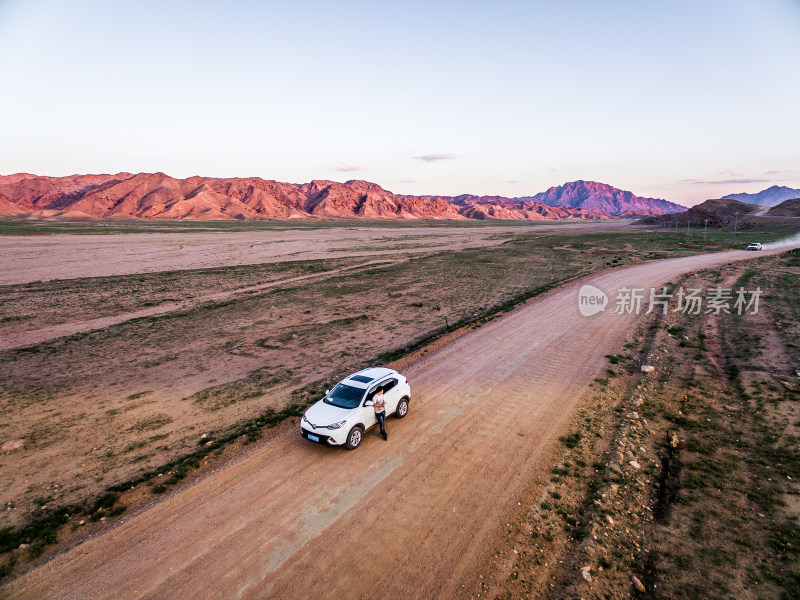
680, 483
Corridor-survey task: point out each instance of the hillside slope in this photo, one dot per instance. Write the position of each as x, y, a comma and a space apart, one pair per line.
718, 212
787, 208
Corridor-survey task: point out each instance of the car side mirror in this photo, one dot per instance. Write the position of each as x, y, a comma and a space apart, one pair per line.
327, 392
369, 403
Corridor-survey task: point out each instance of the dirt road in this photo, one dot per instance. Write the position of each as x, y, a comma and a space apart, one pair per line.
409, 518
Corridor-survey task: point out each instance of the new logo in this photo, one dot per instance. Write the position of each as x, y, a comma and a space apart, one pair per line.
591, 300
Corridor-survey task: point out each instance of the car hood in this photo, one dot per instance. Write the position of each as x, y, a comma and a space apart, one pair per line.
325, 414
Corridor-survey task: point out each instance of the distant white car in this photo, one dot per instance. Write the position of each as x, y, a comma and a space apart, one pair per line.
755, 246
346, 412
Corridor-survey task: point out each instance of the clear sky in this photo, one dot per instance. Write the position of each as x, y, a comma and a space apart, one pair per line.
684, 100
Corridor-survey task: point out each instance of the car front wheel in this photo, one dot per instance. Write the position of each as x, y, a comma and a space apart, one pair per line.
402, 408
354, 437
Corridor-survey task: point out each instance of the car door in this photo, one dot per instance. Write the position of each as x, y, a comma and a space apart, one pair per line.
368, 412
391, 392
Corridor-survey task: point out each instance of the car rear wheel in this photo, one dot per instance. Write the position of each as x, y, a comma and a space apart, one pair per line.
402, 408
354, 437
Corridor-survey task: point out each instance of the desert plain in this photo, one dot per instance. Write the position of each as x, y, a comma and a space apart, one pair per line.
178, 363
120, 351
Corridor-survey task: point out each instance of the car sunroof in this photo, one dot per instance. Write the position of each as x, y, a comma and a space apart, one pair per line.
361, 378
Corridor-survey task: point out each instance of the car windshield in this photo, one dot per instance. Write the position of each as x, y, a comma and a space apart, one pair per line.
345, 396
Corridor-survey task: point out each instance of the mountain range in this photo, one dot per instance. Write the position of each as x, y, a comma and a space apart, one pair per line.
157, 195
772, 196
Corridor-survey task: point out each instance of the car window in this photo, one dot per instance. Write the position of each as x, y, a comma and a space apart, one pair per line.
345, 396
372, 392
389, 385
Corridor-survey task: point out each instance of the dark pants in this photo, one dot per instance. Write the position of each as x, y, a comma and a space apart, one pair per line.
381, 416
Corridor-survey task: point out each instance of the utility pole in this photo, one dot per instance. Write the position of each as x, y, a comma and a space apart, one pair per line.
735, 223
705, 229
687, 226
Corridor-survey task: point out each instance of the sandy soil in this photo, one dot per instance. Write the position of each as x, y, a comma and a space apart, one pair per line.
35, 258
46, 257
413, 517
36, 336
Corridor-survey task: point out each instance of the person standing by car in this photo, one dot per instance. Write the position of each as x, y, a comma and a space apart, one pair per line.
380, 411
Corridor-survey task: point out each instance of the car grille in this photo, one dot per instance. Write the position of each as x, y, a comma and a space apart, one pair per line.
323, 439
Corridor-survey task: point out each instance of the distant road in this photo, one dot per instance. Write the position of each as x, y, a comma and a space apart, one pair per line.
413, 517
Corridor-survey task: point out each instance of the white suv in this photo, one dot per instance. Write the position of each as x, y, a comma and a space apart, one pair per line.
755, 246
346, 412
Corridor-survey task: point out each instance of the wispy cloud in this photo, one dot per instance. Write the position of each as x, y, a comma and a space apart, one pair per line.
513, 181
349, 168
406, 181
723, 181
435, 157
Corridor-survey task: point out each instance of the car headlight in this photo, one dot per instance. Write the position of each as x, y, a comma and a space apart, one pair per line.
336, 425
306, 420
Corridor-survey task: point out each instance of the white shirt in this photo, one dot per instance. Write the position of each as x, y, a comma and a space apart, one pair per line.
379, 403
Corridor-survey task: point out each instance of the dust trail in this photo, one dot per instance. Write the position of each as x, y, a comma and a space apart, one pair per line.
790, 242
